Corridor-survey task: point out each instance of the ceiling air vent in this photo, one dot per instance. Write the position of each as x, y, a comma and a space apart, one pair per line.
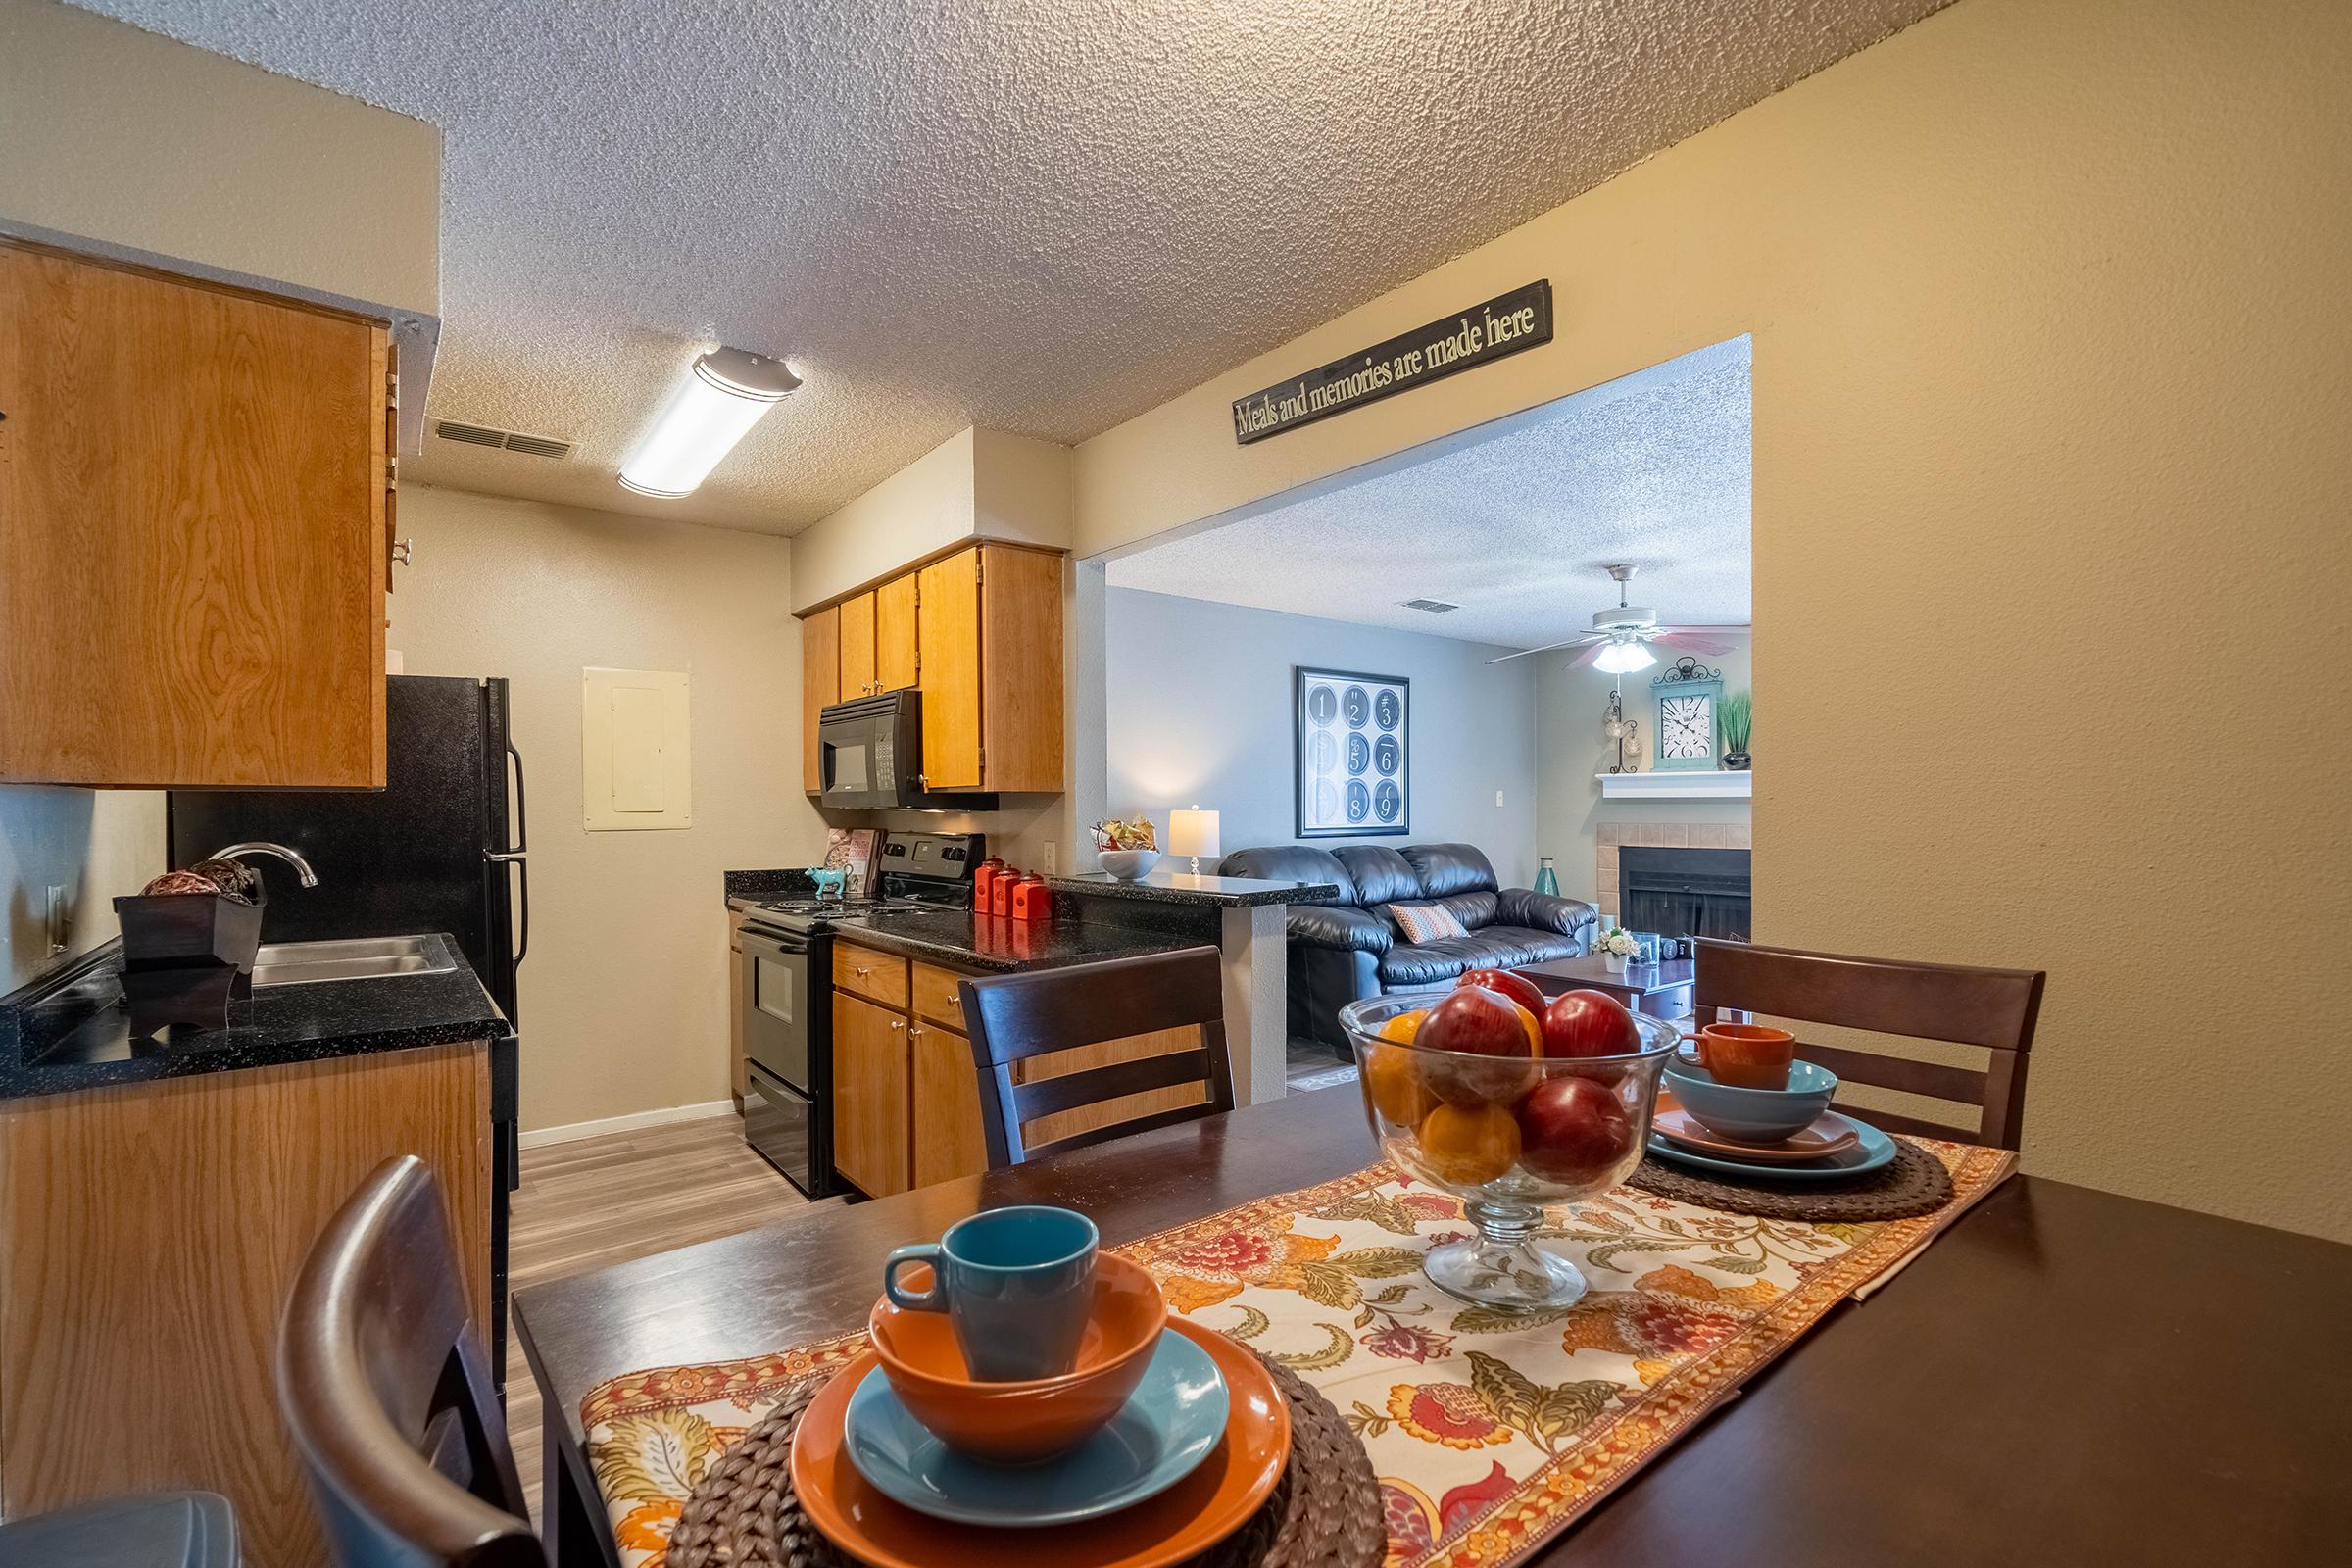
1436, 607
482, 435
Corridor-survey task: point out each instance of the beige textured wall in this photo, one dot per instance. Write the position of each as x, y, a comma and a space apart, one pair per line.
2053, 370
1570, 749
140, 141
623, 993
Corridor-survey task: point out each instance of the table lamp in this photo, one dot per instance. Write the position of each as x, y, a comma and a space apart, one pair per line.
1193, 833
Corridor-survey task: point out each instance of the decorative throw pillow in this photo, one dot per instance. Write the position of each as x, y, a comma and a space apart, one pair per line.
1424, 923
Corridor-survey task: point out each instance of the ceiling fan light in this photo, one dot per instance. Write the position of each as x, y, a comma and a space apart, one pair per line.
1623, 659
714, 407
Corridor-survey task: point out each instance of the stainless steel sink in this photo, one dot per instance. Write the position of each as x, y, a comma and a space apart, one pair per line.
297, 963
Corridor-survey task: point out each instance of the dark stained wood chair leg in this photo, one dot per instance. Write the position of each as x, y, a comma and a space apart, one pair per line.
1994, 1009
1014, 1019
573, 1527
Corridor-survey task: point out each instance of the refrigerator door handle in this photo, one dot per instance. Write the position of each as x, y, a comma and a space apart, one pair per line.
515, 856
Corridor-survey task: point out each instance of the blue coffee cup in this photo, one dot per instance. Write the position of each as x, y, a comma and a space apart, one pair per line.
1016, 1283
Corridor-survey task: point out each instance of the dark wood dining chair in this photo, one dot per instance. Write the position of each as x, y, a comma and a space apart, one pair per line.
384, 1385
1018, 1018
1995, 1008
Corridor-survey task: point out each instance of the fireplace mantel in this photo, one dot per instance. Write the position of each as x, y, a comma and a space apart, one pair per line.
1691, 786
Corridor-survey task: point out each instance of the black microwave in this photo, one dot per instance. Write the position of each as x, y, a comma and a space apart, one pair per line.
870, 757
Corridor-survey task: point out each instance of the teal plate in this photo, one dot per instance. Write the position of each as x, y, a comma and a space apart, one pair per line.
1874, 1151
1175, 1417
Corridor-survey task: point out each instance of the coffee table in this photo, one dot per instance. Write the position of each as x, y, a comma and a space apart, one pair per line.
1660, 990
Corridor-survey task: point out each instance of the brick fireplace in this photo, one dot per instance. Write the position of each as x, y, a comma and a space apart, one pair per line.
1610, 839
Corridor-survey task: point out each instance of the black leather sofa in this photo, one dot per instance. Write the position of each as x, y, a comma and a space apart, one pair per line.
1345, 949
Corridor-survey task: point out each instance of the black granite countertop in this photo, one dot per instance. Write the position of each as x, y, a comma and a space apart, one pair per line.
70, 1031
963, 940
1176, 887
750, 887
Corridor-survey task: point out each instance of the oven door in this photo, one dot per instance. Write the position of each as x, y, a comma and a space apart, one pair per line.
779, 1006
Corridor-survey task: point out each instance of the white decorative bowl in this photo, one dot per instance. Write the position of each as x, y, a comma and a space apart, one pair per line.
1129, 865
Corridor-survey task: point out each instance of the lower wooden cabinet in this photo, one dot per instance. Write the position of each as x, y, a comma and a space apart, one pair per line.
947, 1107
871, 1096
907, 1091
738, 1079
148, 1235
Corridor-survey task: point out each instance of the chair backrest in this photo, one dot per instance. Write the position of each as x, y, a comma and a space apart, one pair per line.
383, 1383
1019, 1018
1995, 1008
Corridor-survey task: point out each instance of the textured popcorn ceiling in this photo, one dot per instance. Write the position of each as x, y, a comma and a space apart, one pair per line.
1044, 218
1512, 521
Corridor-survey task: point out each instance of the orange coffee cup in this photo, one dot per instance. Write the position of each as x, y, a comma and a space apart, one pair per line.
1745, 1055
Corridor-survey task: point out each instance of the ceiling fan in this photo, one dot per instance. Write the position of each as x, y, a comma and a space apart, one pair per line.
1620, 638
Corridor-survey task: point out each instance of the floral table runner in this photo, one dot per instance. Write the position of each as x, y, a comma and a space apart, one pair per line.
1489, 1433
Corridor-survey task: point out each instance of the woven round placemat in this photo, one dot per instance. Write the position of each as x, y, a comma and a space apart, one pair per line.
1325, 1512
1916, 1183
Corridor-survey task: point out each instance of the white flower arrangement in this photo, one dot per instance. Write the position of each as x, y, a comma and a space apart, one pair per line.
1619, 943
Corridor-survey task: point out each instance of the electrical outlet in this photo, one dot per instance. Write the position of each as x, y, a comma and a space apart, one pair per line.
61, 920
1049, 853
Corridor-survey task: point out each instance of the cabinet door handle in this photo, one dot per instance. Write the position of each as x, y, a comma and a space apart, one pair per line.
897, 1023
862, 971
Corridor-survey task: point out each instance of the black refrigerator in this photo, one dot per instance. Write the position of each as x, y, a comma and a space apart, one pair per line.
439, 848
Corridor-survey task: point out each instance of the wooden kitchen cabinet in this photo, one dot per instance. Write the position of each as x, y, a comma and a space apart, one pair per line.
896, 660
194, 483
738, 1079
149, 1236
871, 1096
990, 634
979, 633
820, 687
857, 647
948, 1141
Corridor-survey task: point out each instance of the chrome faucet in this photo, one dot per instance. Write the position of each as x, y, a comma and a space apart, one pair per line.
293, 857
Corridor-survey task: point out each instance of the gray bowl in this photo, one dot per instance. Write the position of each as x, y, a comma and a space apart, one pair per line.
1753, 1115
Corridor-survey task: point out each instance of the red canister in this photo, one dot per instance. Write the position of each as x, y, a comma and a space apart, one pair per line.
984, 876
1031, 899
1000, 891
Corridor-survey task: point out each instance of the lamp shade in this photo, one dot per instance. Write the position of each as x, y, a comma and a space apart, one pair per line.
1193, 833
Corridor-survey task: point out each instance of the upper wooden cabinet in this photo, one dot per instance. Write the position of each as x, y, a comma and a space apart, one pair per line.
193, 484
857, 647
979, 632
820, 686
896, 660
990, 637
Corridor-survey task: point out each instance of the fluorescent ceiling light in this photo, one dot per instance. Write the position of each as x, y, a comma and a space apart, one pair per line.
712, 409
1623, 659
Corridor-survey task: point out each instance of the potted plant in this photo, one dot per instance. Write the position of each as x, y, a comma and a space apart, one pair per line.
1616, 946
1738, 715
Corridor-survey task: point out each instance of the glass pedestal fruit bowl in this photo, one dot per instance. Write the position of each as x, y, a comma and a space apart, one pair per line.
1509, 1135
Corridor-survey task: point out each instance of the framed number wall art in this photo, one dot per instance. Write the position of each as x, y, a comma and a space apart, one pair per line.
1352, 746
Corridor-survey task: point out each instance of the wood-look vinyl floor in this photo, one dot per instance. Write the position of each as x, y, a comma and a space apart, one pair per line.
603, 1200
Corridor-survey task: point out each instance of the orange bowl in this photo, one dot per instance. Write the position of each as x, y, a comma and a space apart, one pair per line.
1013, 1423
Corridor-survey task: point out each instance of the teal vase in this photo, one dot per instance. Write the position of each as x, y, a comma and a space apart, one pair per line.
1548, 881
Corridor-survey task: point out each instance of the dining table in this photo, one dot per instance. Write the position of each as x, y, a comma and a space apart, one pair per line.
2064, 1375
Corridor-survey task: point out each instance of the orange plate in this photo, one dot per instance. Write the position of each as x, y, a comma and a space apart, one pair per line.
1191, 1516
1832, 1134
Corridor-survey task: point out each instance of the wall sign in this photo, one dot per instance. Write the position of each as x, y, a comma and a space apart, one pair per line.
1350, 733
1502, 325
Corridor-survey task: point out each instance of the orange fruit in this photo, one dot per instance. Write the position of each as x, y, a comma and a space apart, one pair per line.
1394, 1080
1469, 1144
1403, 1026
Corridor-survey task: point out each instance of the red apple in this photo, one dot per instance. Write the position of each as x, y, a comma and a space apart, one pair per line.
1573, 1130
1518, 987
1475, 1021
1589, 1023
